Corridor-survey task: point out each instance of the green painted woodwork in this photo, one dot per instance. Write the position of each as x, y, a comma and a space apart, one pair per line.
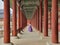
28, 6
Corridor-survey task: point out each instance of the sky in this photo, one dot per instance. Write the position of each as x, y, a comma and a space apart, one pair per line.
2, 9
1, 4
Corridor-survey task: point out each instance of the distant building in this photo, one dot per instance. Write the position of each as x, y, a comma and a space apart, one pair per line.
2, 14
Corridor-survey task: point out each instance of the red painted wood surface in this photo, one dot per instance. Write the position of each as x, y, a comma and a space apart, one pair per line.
14, 18
6, 21
49, 20
34, 20
23, 20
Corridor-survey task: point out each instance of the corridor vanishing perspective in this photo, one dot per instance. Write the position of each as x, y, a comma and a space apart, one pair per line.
30, 22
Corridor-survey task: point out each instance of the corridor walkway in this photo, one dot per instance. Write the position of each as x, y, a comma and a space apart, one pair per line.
28, 38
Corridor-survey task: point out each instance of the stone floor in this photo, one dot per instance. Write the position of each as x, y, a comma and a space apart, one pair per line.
30, 38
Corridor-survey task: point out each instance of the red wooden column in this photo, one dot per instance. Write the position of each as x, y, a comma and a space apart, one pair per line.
40, 16
54, 21
21, 19
14, 18
34, 19
37, 18
24, 21
18, 17
28, 21
6, 21
45, 17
